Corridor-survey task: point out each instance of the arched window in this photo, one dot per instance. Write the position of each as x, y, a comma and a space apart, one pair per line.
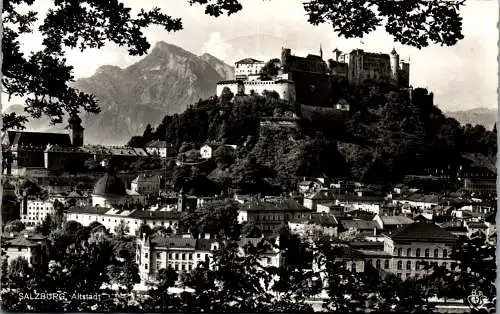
417, 253
436, 253
445, 253
353, 267
377, 264
400, 251
408, 265
408, 252
427, 252
400, 265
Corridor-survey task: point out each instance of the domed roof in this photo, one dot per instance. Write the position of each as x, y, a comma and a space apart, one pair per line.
109, 184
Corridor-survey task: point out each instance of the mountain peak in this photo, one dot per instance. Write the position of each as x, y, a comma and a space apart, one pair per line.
103, 69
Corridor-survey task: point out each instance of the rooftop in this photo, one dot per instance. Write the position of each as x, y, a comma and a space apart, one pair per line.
396, 220
424, 232
248, 61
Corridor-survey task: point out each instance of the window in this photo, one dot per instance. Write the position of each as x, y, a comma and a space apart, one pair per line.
183, 256
386, 264
169, 255
445, 253
400, 265
145, 255
176, 255
399, 275
408, 252
158, 255
417, 253
176, 266
426, 253
400, 251
198, 255
158, 265
444, 264
436, 253
377, 264
408, 265
19, 249
190, 256
183, 267
353, 267
408, 275
146, 266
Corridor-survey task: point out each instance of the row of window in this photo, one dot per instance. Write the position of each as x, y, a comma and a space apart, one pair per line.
418, 265
169, 223
426, 253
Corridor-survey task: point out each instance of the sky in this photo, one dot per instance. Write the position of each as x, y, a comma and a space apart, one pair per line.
461, 77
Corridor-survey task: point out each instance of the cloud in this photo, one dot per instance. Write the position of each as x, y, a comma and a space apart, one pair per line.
216, 46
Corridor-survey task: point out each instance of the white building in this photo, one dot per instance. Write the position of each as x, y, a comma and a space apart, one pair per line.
34, 211
418, 201
180, 253
247, 67
157, 147
284, 88
183, 253
206, 151
145, 185
25, 245
110, 218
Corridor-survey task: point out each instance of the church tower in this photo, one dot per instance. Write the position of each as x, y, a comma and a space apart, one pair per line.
181, 201
394, 66
76, 130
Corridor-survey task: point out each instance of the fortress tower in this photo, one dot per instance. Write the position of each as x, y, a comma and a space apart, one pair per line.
285, 54
394, 66
76, 130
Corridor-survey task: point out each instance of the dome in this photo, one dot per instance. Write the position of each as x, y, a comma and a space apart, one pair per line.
109, 184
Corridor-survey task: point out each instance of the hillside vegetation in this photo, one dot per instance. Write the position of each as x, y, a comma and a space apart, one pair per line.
387, 134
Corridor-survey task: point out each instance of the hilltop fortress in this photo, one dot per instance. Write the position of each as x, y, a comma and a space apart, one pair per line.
308, 80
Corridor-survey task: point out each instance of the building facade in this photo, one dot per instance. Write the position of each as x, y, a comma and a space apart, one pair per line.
25, 245
285, 88
421, 242
247, 67
34, 211
146, 185
111, 218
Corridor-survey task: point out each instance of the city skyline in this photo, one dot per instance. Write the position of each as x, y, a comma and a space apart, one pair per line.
449, 72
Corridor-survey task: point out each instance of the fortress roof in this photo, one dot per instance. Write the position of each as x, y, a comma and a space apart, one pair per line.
248, 61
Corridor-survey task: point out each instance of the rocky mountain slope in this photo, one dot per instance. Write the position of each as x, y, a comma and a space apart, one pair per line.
164, 82
483, 116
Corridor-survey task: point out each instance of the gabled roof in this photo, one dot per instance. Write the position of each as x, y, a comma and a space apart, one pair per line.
422, 198
274, 205
248, 61
396, 220
477, 225
175, 242
362, 214
156, 144
155, 215
21, 240
38, 138
358, 224
424, 232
